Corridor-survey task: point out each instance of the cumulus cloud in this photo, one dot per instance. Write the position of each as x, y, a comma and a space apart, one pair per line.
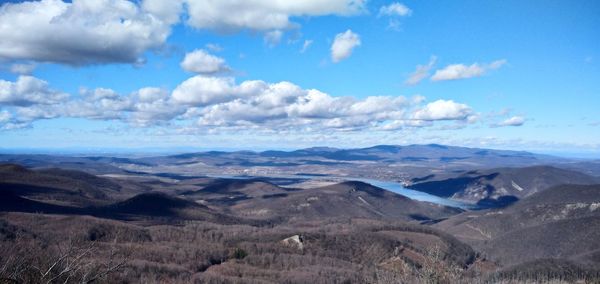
79, 33
421, 72
443, 110
83, 32
8, 123
28, 90
167, 11
512, 121
343, 44
284, 105
150, 94
144, 107
98, 94
202, 62
222, 104
153, 105
462, 71
395, 9
201, 91
262, 15
265, 104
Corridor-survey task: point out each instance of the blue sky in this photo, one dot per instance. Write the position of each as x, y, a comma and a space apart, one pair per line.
108, 74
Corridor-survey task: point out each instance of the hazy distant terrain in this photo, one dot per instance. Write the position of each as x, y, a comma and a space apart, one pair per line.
299, 216
388, 162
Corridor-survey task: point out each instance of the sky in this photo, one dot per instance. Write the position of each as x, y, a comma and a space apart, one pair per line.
258, 74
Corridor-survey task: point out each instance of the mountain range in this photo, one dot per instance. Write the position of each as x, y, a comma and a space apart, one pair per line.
280, 216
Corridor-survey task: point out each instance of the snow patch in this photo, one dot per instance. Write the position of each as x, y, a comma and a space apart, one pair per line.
364, 201
516, 186
570, 207
301, 205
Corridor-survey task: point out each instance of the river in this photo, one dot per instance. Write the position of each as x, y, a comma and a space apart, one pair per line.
395, 187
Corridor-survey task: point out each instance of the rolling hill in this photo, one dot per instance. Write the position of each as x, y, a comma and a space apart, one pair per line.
501, 186
263, 200
65, 187
561, 222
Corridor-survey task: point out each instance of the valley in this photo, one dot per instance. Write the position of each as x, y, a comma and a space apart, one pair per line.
373, 215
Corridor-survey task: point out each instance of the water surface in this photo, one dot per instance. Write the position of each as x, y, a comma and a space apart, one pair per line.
392, 186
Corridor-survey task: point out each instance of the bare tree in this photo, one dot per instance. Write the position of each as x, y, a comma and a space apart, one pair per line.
68, 262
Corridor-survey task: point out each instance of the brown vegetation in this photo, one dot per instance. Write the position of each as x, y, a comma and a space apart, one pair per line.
349, 233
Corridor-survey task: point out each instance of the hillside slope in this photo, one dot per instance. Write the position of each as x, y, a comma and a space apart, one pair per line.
495, 187
561, 222
260, 199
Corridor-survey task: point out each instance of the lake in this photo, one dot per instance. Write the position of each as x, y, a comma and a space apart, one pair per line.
395, 187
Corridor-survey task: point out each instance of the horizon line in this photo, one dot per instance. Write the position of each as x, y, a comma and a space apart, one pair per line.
591, 154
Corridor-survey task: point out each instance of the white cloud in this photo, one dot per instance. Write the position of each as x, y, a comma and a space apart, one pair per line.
28, 90
220, 104
421, 72
262, 15
443, 110
461, 71
100, 103
285, 106
83, 32
153, 105
273, 38
343, 45
22, 68
282, 105
98, 94
168, 11
144, 107
512, 121
79, 33
395, 9
202, 62
380, 106
151, 94
401, 124
201, 91
316, 104
307, 43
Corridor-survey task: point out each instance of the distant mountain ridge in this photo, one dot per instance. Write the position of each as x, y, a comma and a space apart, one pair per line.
378, 151
418, 155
